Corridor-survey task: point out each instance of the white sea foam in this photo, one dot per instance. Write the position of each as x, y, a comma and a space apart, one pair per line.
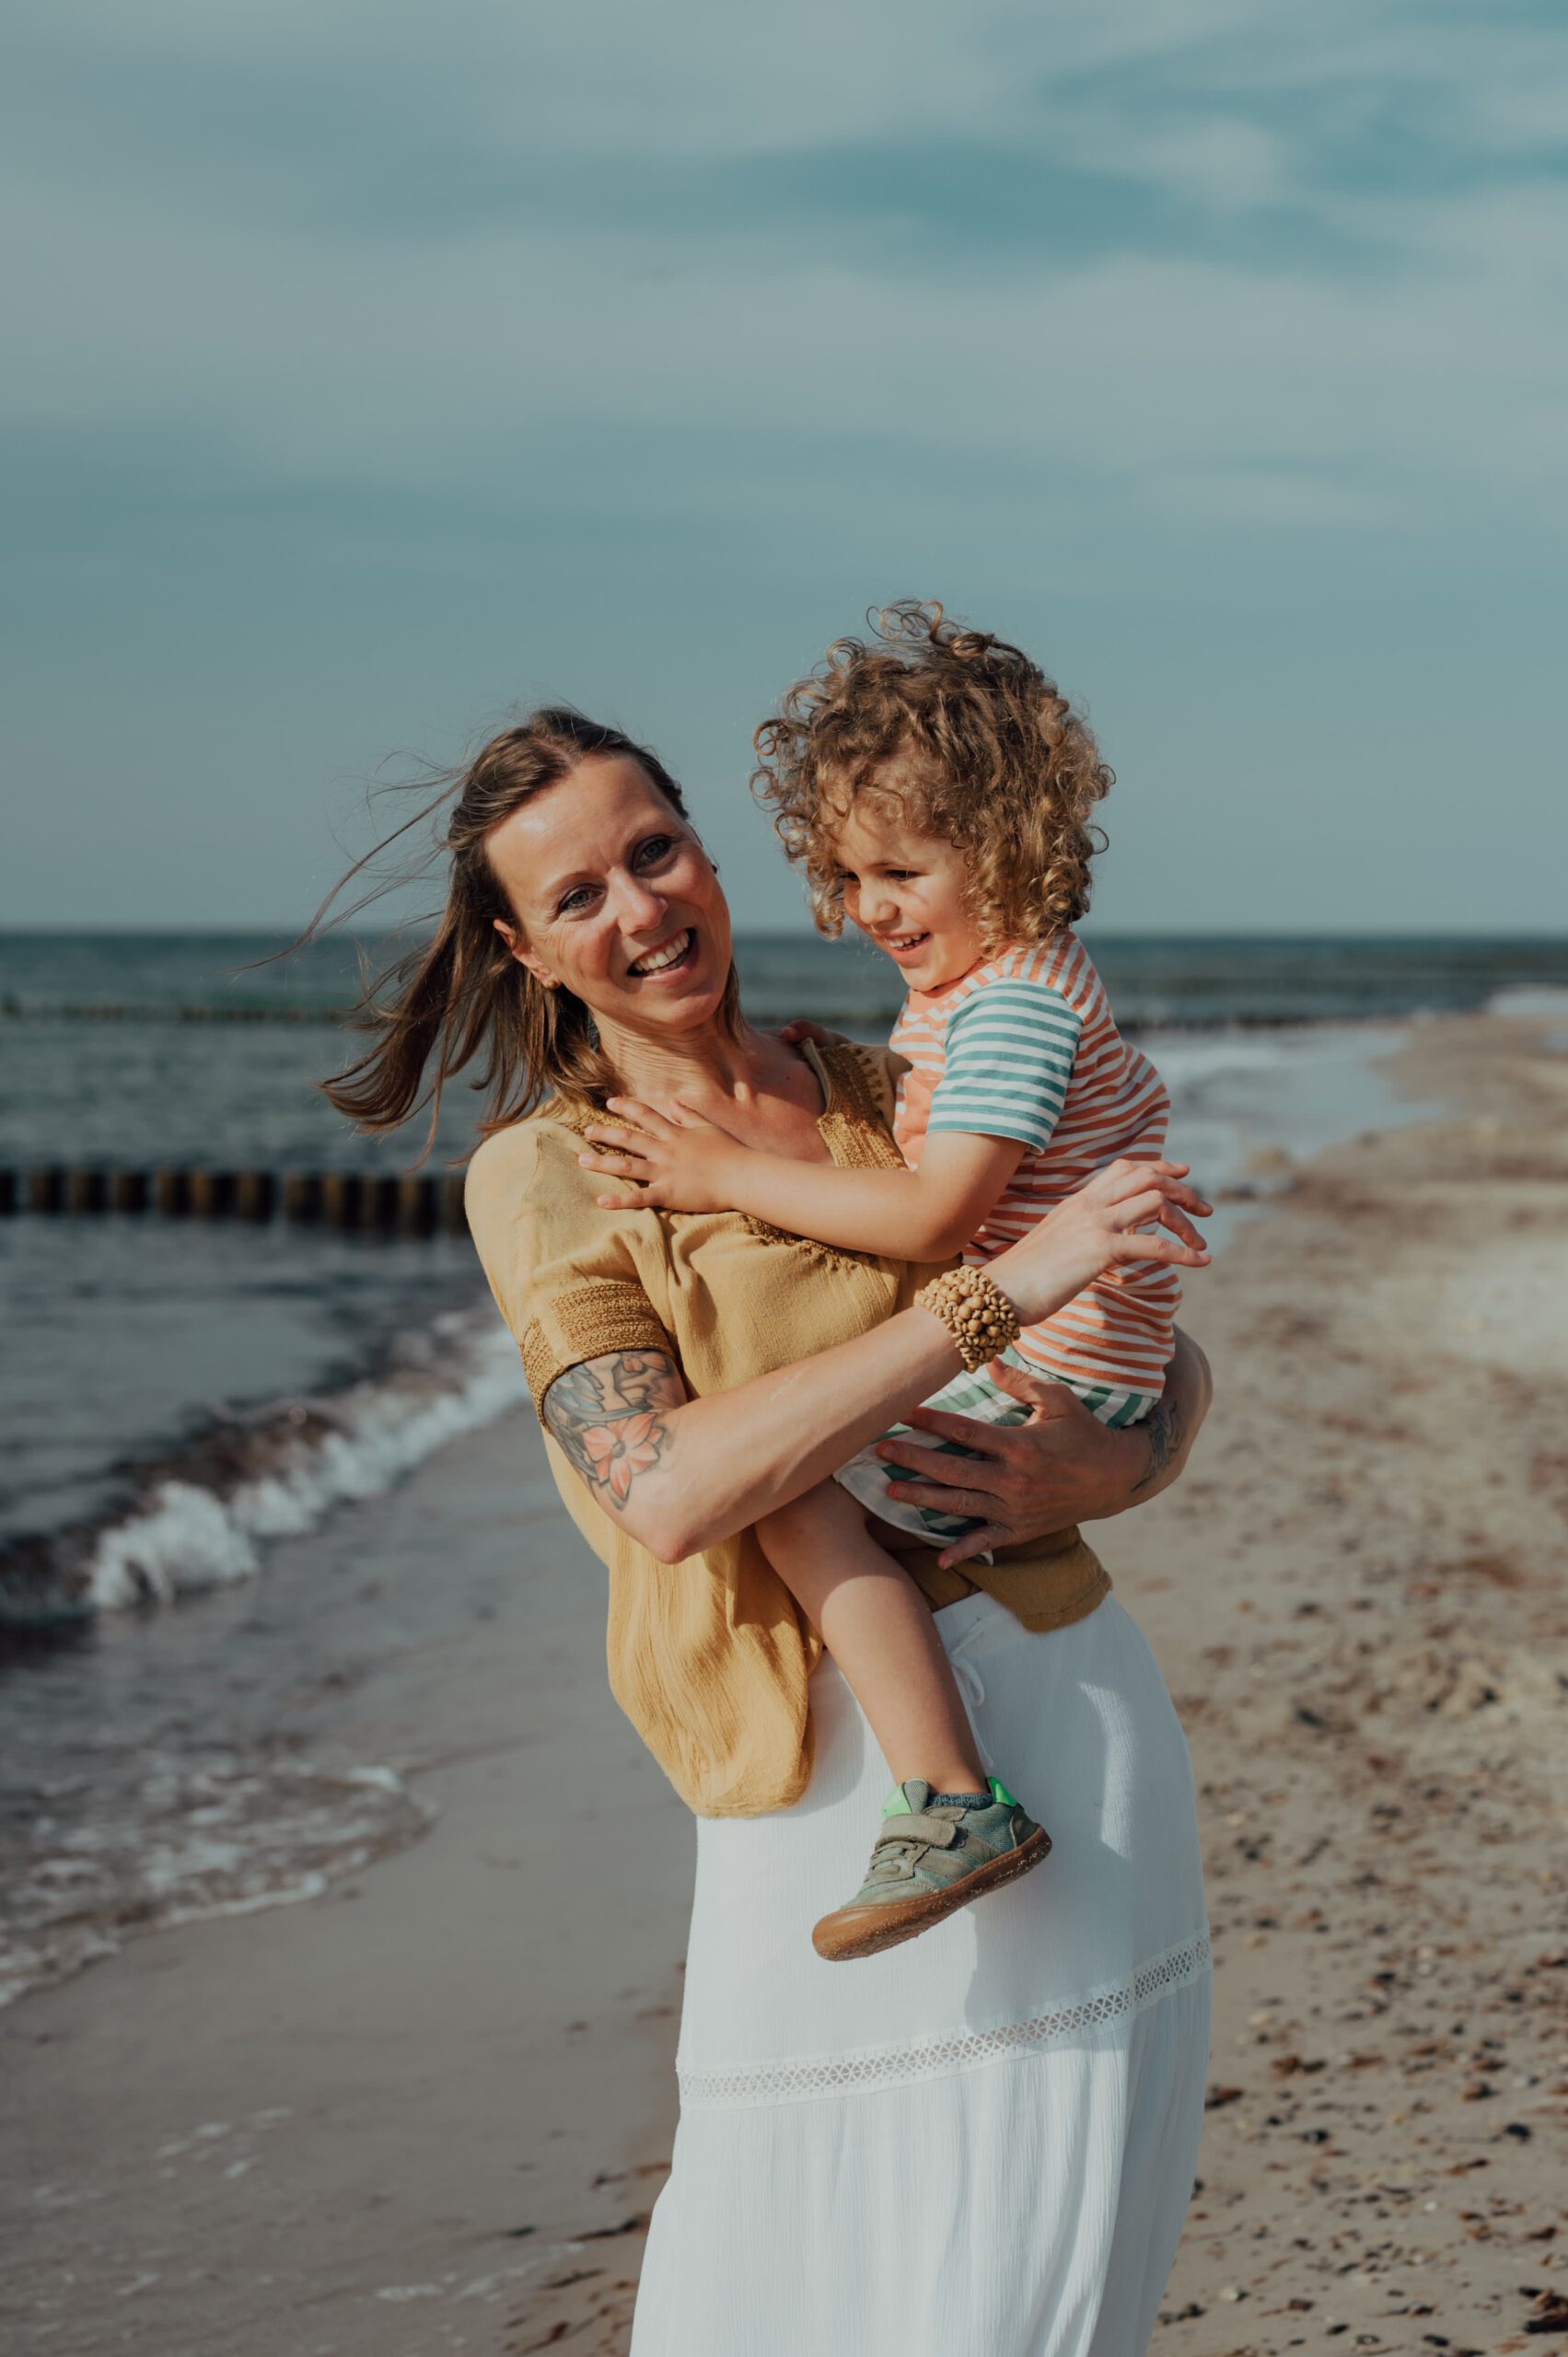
180, 1839
183, 1537
1537, 1002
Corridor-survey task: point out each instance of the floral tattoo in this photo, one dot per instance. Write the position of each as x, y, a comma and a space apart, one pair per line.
608, 1415
1162, 1427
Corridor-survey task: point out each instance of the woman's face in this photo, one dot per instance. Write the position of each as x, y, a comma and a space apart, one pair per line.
615, 899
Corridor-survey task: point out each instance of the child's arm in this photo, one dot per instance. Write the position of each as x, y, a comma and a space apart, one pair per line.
925, 1215
1009, 1057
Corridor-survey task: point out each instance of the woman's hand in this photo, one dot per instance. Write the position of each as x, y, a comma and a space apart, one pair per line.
1116, 1217
668, 1164
1059, 1468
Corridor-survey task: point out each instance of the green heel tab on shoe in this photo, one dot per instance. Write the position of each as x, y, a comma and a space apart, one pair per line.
1001, 1796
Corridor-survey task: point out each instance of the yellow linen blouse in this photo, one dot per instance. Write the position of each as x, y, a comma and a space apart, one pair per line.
710, 1658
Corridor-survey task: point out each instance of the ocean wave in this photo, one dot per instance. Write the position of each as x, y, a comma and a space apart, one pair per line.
180, 1840
204, 1516
1538, 1001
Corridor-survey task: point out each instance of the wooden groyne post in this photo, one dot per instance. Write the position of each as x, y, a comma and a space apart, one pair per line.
376, 1203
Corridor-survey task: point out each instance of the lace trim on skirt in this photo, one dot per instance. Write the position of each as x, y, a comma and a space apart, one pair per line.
938, 2058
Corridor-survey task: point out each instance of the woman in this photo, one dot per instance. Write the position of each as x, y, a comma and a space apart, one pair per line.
983, 2143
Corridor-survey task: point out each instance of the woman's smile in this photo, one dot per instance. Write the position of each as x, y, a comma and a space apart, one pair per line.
675, 953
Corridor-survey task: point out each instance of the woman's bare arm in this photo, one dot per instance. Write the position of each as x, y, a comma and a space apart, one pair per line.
682, 1473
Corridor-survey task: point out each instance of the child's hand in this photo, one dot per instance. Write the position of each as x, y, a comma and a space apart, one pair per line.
1117, 1216
672, 1166
791, 1034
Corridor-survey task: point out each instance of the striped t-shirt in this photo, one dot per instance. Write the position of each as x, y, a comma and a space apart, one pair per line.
1024, 1046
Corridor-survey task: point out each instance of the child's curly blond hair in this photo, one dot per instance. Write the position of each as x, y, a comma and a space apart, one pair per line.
973, 740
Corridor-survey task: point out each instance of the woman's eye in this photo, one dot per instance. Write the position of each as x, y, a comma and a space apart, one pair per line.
650, 853
575, 902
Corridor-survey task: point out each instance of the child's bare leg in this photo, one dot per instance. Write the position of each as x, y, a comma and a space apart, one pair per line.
880, 1633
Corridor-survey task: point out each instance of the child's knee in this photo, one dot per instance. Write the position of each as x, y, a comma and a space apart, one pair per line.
807, 1523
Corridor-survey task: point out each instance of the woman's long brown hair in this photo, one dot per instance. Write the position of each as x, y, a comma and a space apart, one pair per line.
460, 997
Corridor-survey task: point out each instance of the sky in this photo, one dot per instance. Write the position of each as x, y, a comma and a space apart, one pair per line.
375, 371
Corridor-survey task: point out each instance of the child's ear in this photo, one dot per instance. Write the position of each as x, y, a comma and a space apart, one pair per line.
528, 958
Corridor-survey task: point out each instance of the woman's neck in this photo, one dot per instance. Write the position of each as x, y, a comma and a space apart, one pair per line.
714, 1065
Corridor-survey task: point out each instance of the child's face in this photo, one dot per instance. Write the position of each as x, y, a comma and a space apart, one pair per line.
906, 890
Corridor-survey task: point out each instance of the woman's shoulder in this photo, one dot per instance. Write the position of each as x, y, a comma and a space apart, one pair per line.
529, 1165
863, 1080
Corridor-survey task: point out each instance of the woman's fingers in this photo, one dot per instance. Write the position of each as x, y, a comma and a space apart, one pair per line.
976, 1543
638, 1200
975, 1503
963, 1428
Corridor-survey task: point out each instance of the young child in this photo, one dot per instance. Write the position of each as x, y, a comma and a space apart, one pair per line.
936, 789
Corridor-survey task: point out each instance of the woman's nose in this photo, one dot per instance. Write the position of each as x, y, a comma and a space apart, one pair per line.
636, 905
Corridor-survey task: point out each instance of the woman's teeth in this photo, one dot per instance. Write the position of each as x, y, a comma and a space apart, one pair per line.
668, 953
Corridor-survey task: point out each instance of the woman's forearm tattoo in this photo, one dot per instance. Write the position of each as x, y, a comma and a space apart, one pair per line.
608, 1415
1163, 1426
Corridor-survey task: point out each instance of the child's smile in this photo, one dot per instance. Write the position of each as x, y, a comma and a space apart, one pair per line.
906, 892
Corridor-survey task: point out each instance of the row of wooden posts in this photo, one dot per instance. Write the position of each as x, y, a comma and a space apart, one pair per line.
387, 1204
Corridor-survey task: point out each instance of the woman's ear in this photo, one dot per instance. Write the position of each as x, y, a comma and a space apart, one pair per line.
518, 948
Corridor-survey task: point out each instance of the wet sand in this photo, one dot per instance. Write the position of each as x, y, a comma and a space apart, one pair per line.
430, 2111
368, 2126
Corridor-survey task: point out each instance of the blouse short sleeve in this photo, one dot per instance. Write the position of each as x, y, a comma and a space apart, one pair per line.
561, 1268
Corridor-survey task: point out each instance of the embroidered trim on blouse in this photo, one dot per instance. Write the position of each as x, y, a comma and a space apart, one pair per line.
938, 2058
857, 1137
608, 1314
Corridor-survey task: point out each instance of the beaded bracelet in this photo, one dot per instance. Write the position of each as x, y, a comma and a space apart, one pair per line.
976, 1312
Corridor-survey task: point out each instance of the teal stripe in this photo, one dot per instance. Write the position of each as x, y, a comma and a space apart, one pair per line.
1012, 1093
1004, 1023
1000, 1083
1015, 1022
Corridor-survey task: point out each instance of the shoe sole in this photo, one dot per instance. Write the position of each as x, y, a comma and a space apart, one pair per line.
909, 1917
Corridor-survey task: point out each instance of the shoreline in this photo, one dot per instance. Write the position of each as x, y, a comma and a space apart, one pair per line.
365, 2125
429, 2111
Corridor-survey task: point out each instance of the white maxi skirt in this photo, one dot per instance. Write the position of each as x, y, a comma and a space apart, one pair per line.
980, 2143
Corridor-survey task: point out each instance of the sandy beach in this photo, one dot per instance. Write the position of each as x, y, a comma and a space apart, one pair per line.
429, 2112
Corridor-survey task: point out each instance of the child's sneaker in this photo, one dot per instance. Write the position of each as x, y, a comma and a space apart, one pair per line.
930, 1859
